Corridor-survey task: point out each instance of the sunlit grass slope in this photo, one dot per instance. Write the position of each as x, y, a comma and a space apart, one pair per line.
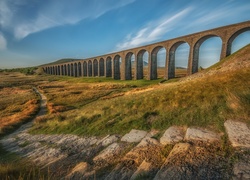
17, 105
205, 99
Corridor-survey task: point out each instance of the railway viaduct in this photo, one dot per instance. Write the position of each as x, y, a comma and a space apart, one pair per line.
118, 65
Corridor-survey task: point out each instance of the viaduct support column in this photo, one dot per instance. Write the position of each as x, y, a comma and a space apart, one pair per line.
135, 68
105, 66
224, 49
149, 65
167, 64
190, 60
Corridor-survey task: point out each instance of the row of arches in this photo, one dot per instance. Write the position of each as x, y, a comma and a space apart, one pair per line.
153, 61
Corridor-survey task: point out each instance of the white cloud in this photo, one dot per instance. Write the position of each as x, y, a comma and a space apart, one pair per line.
152, 31
3, 42
51, 14
224, 14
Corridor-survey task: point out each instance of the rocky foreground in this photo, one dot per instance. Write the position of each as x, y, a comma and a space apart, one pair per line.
180, 153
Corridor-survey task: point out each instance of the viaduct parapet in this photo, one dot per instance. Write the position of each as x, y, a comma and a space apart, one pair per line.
118, 65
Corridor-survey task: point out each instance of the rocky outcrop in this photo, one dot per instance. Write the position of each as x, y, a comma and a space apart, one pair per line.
180, 153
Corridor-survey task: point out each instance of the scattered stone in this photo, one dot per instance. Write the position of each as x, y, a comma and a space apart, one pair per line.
187, 161
142, 170
242, 170
169, 171
108, 140
78, 171
172, 135
109, 152
134, 136
238, 133
152, 133
194, 134
147, 141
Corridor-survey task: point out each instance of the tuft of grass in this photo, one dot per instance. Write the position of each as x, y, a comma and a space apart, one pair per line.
13, 166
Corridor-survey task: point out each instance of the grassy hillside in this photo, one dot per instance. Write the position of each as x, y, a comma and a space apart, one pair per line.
206, 99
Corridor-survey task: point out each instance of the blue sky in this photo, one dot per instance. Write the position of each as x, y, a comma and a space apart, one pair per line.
34, 32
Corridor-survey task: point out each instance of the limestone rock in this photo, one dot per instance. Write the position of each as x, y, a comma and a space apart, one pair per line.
111, 151
108, 140
147, 141
170, 171
238, 133
134, 136
142, 170
78, 171
194, 134
242, 170
172, 135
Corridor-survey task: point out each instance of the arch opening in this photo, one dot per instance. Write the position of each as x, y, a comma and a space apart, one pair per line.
238, 40
75, 69
207, 52
101, 67
62, 70
142, 64
58, 70
95, 68
79, 73
178, 60
108, 67
158, 62
89, 68
129, 66
72, 69
117, 62
85, 69
65, 70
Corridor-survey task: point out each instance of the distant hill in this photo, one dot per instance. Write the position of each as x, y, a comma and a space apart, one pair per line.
144, 63
64, 60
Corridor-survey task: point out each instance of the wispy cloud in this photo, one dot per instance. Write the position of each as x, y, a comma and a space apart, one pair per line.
3, 42
220, 15
153, 30
40, 16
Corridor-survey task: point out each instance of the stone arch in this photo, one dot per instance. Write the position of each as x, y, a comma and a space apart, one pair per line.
154, 62
172, 55
95, 62
58, 70
101, 67
85, 68
196, 49
68, 70
79, 69
54, 71
231, 39
71, 69
116, 67
128, 66
62, 70
109, 67
140, 64
89, 68
75, 70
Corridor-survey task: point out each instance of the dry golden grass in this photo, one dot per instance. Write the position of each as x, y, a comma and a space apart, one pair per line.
17, 104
